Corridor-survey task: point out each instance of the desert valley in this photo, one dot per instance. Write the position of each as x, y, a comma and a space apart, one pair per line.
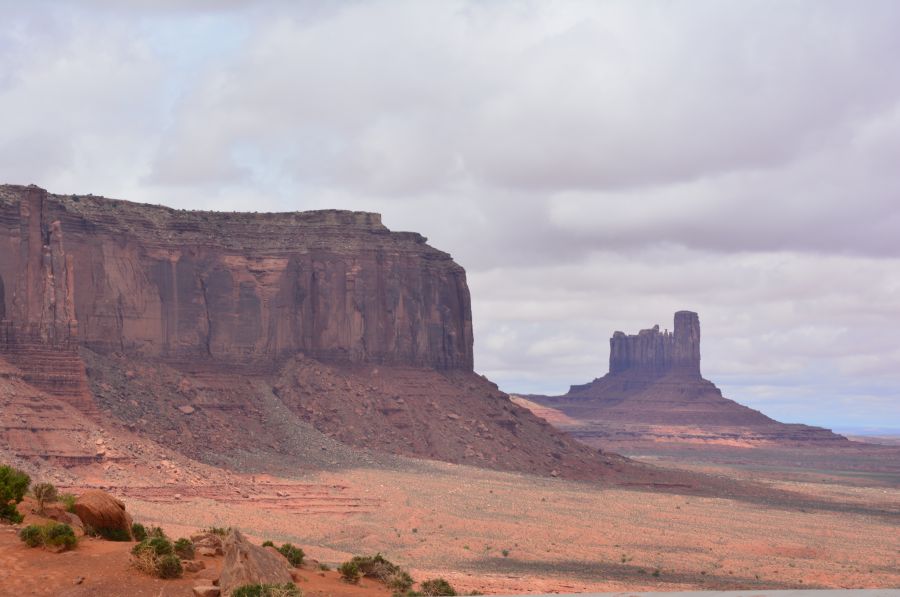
308, 378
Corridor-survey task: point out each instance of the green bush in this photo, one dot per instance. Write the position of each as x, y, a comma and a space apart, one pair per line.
169, 566
13, 486
350, 572
285, 590
221, 531
268, 544
44, 493
293, 554
437, 587
139, 531
157, 532
184, 549
68, 501
56, 535
156, 556
32, 535
324, 567
111, 534
59, 535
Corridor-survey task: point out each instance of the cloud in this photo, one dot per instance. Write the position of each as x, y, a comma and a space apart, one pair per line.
594, 165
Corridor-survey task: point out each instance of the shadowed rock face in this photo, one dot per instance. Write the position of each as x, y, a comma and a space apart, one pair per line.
655, 353
242, 288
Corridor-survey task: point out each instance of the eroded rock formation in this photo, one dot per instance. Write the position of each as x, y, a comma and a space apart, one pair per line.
229, 334
654, 391
246, 288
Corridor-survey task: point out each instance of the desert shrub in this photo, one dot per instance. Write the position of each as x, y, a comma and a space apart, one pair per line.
59, 535
293, 554
184, 549
68, 500
220, 531
268, 544
169, 566
139, 531
32, 535
380, 568
285, 590
56, 535
157, 532
324, 567
44, 493
399, 581
156, 556
111, 534
350, 572
13, 486
437, 587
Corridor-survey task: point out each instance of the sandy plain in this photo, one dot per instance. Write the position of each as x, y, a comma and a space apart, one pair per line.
500, 533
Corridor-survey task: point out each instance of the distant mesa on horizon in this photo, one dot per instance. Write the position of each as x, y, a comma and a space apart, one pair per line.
654, 391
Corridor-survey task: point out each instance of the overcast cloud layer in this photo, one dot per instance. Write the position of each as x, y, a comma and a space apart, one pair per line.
593, 165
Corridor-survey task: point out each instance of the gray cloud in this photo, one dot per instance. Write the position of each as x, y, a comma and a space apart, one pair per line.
594, 165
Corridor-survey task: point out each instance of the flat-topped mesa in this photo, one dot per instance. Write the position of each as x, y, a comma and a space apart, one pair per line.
656, 353
244, 289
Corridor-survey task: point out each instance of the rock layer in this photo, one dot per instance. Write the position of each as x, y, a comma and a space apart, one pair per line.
239, 288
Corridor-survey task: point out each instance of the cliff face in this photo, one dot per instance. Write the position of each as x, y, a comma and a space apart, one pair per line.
246, 289
656, 353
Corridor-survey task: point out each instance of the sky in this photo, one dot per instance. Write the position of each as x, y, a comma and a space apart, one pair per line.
595, 166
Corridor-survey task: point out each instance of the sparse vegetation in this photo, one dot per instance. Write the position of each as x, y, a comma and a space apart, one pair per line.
220, 531
68, 500
293, 554
437, 587
285, 590
505, 553
379, 568
13, 486
350, 572
268, 544
111, 534
54, 535
156, 556
184, 549
324, 567
44, 493
139, 531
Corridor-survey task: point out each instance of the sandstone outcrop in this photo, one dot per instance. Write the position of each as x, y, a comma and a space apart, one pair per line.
103, 512
247, 564
215, 333
238, 288
654, 391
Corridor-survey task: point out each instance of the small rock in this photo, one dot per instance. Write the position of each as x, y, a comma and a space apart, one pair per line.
187, 409
177, 496
554, 473
206, 591
208, 552
79, 580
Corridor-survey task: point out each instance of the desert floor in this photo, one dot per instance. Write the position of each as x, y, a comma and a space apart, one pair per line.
501, 533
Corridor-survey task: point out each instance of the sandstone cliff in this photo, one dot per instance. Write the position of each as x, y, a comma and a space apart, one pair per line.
259, 340
240, 288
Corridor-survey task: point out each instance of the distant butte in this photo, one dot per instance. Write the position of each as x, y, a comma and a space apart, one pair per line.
654, 392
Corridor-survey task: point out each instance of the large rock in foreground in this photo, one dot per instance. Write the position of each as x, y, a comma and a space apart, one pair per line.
247, 564
102, 512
